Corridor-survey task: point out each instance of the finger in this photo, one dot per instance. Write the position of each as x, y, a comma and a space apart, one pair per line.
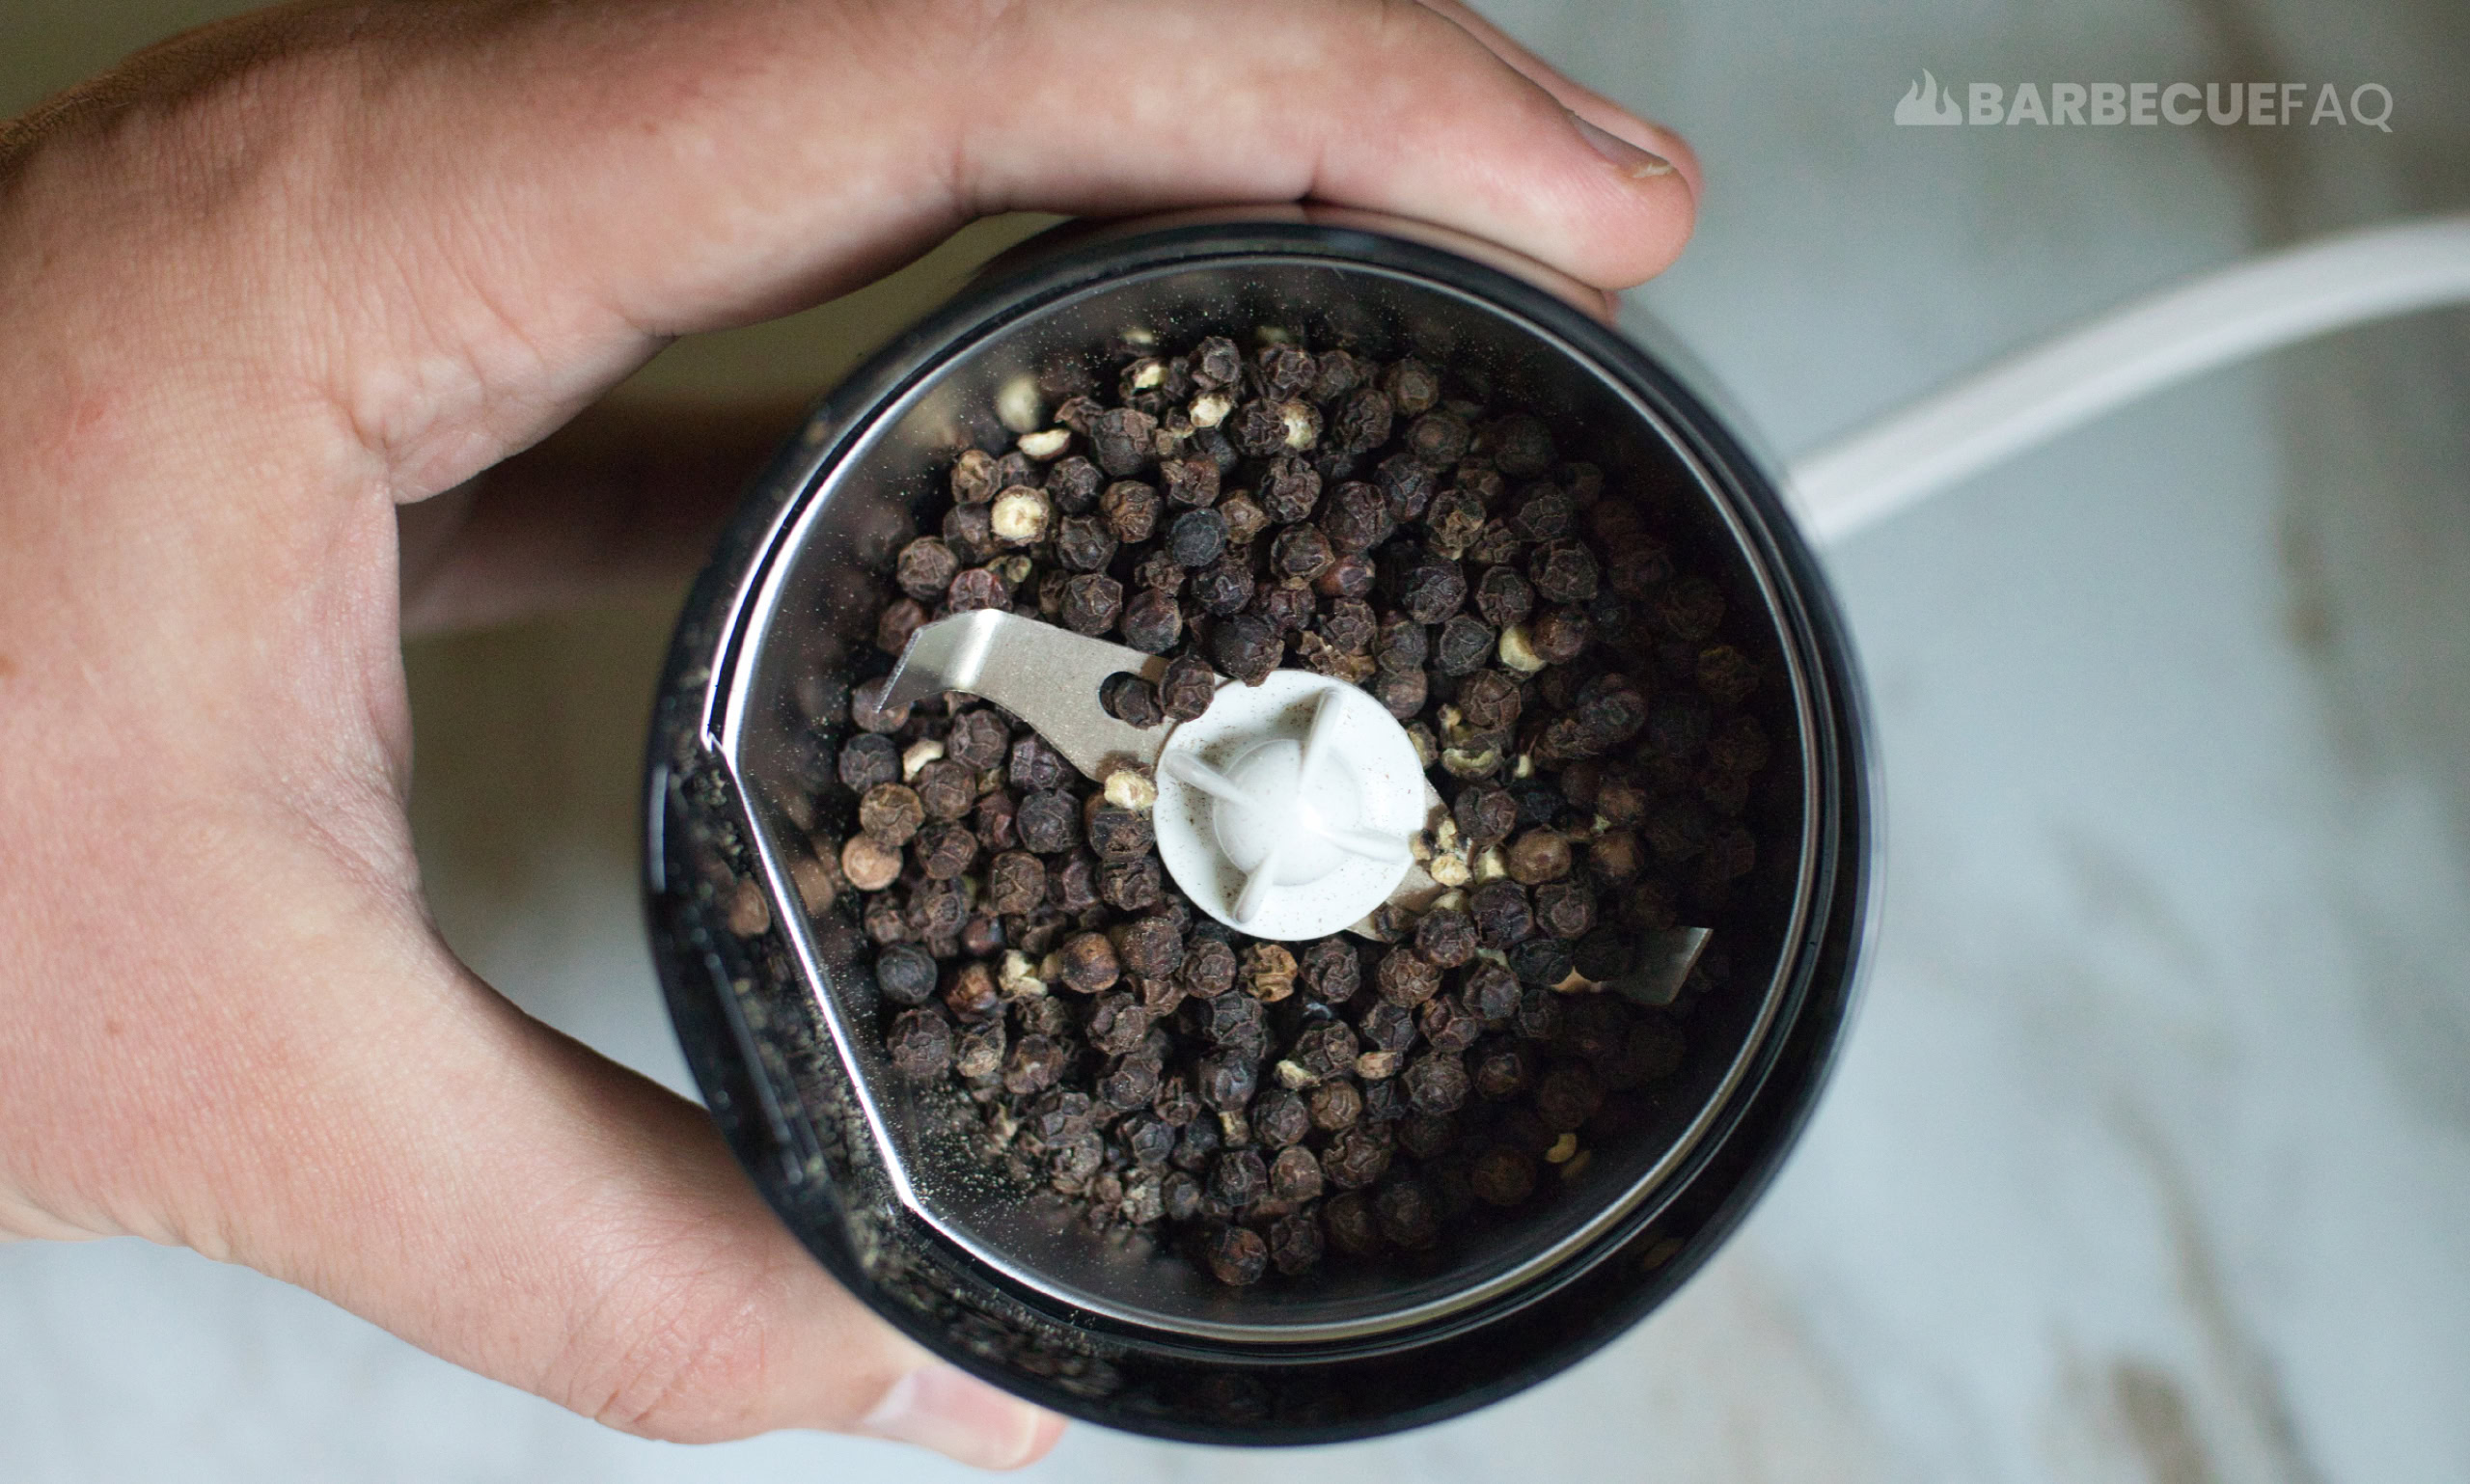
520, 201
624, 500
1584, 102
410, 1146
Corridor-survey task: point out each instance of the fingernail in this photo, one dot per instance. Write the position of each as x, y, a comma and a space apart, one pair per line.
1628, 158
960, 1417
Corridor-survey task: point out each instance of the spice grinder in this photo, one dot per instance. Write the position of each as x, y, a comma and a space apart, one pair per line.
767, 969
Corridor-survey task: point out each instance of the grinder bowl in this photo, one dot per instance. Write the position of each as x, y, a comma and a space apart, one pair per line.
887, 1183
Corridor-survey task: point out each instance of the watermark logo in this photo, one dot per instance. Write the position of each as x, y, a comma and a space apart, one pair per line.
1923, 104
2144, 104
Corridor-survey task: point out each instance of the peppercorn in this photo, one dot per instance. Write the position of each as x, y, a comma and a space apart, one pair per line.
1428, 586
1117, 1023
1445, 937
1680, 827
890, 814
1223, 587
1189, 479
1400, 691
1567, 1097
1491, 992
1503, 917
1488, 700
1485, 814
1425, 1136
1088, 963
1689, 608
1216, 362
1225, 1081
1245, 646
1187, 688
1538, 856
1131, 700
920, 1044
1407, 1214
1388, 1026
1238, 1178
937, 909
1356, 518
1465, 642
1152, 622
867, 710
905, 975
1209, 968
946, 788
885, 921
1135, 885
1455, 518
1197, 537
1335, 1103
1354, 1159
1437, 1083
1122, 439
1153, 946
973, 474
1092, 601
1383, 1102
1048, 822
1559, 635
1565, 908
1541, 961
1129, 509
969, 535
1439, 438
868, 760
1280, 1118
979, 1052
1501, 1176
870, 864
1501, 1070
1084, 543
1235, 1255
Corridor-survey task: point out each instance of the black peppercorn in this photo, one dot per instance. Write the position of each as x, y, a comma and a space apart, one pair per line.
1235, 1255
1152, 622
1225, 1081
1035, 1063
1541, 961
1209, 968
1197, 537
920, 1044
1223, 587
905, 975
1407, 1214
1130, 700
1465, 642
1429, 586
1089, 963
1246, 647
1187, 688
1135, 885
1048, 822
1355, 517
1188, 480
866, 760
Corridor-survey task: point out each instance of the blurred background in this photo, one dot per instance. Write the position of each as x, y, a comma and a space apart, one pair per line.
2150, 1156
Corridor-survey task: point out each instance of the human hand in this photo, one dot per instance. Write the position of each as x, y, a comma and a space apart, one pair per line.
272, 283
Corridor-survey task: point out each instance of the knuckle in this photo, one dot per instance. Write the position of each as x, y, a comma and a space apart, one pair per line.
683, 1347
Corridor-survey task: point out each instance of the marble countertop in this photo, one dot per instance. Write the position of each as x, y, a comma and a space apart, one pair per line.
2150, 1154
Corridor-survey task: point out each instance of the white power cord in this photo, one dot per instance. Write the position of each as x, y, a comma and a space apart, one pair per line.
2014, 403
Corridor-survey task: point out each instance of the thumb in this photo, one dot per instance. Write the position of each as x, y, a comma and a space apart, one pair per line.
513, 1202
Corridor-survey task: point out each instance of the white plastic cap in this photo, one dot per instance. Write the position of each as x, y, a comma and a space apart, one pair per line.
1285, 810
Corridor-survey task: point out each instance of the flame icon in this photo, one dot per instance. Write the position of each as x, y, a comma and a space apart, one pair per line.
1924, 103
